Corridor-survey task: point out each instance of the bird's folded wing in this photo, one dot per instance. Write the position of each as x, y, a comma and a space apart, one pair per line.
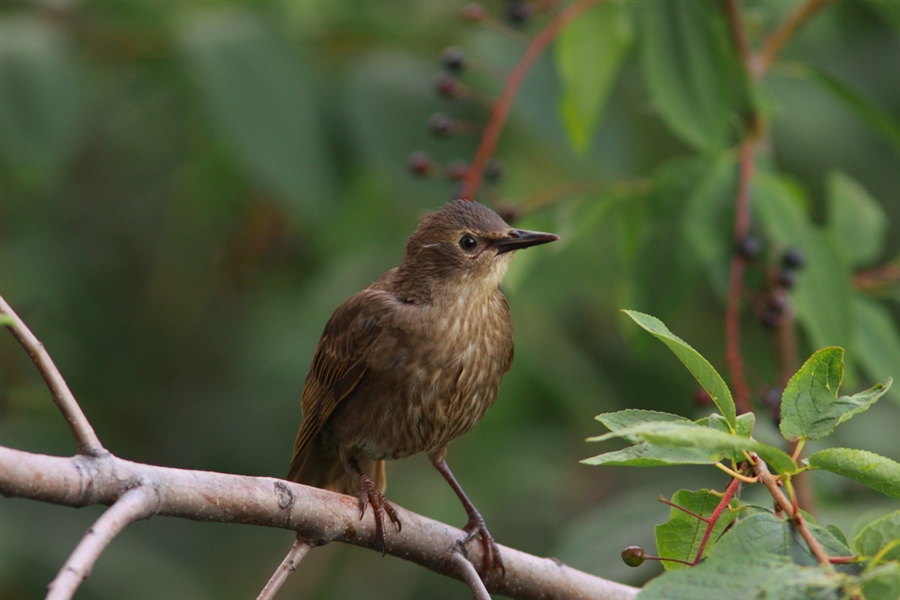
340, 359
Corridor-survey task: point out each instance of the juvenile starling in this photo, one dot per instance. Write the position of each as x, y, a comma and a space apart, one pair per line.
412, 362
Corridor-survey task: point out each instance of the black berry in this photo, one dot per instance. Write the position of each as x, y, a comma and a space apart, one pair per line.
748, 247
494, 170
453, 59
770, 317
787, 278
633, 556
793, 258
440, 124
518, 11
420, 164
508, 211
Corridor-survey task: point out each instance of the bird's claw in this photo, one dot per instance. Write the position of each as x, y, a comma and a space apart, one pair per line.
492, 560
369, 494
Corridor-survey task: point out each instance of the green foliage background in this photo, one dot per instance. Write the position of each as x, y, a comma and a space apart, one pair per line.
189, 189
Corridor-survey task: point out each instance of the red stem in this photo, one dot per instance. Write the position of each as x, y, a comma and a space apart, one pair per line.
730, 491
504, 103
736, 276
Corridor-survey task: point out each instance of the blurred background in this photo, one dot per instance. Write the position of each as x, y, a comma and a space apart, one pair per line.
189, 190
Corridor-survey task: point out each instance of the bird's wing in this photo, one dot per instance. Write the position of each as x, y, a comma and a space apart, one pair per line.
340, 359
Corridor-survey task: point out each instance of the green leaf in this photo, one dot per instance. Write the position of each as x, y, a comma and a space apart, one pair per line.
262, 99
680, 536
868, 468
643, 454
745, 424
881, 121
633, 416
810, 407
699, 367
857, 220
877, 341
690, 70
691, 435
873, 538
882, 582
40, 100
588, 53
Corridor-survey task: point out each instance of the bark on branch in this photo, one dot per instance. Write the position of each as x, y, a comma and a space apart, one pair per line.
316, 515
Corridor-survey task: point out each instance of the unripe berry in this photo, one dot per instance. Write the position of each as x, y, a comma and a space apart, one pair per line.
420, 164
633, 556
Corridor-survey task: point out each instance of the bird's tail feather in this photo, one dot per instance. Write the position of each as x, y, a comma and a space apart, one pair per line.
320, 466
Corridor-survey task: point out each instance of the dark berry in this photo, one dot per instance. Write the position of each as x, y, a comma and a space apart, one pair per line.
633, 556
440, 124
772, 398
453, 59
420, 164
494, 170
702, 397
787, 278
793, 258
457, 170
518, 11
447, 85
473, 13
770, 317
777, 301
508, 211
748, 247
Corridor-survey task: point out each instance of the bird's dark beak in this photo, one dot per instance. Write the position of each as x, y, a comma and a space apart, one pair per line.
520, 238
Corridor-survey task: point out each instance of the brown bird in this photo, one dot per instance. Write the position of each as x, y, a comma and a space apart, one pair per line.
412, 362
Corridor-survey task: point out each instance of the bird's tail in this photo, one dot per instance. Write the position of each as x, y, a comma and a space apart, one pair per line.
320, 466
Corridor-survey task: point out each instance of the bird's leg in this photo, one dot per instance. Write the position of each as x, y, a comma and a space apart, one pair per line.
368, 492
476, 524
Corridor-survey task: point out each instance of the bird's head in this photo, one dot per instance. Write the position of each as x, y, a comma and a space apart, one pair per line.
463, 244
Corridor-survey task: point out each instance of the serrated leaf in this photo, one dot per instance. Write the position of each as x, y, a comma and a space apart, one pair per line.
699, 367
261, 97
810, 407
690, 71
680, 536
857, 220
870, 469
643, 454
875, 536
881, 121
877, 342
691, 435
588, 55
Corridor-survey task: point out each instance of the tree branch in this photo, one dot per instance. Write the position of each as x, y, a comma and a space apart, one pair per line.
298, 550
135, 504
316, 515
88, 442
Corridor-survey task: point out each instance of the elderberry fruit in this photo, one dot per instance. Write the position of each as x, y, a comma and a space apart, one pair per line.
748, 247
793, 258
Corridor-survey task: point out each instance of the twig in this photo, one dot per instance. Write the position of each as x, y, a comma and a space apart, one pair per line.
469, 575
312, 513
298, 550
788, 507
88, 442
135, 504
738, 34
785, 31
736, 274
504, 102
730, 491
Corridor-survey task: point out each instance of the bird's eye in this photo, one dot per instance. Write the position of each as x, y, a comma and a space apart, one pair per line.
468, 243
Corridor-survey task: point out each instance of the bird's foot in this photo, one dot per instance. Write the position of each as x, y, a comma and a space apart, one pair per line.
368, 493
492, 560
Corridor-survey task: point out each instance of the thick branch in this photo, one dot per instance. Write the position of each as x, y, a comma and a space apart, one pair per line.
88, 442
316, 515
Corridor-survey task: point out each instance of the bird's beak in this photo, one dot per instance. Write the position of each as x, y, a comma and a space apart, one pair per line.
520, 238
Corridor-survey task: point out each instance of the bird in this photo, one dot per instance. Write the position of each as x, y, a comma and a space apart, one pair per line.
412, 362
